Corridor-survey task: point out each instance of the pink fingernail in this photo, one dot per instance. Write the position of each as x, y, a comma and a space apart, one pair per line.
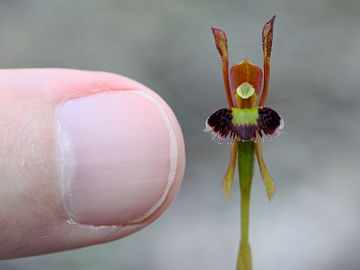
118, 157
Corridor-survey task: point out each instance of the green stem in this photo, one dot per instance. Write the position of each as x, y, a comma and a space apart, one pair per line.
246, 168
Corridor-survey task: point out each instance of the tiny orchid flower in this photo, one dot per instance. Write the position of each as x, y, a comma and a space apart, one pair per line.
245, 123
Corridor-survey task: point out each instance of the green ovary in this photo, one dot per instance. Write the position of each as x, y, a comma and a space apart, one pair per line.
246, 169
244, 116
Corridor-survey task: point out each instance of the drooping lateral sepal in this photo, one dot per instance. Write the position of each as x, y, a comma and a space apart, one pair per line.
269, 184
244, 124
229, 175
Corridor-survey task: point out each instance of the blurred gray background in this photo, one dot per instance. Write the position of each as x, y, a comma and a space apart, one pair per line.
314, 220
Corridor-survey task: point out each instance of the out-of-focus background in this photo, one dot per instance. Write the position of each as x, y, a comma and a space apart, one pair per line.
314, 220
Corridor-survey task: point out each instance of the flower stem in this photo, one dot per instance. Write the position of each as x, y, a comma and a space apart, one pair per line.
246, 168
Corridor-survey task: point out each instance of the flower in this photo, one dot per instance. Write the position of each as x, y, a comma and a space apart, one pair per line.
244, 124
246, 119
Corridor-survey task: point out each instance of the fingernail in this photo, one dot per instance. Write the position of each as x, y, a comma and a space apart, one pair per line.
117, 155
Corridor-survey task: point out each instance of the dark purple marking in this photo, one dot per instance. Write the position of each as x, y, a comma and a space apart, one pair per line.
220, 122
269, 122
246, 132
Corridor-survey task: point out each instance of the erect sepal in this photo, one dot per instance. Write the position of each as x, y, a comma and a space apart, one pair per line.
270, 186
221, 45
221, 42
267, 38
229, 176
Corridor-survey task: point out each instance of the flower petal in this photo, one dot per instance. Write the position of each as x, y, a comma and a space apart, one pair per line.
229, 176
221, 45
268, 182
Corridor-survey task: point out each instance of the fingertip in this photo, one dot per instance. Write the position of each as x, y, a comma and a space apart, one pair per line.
115, 158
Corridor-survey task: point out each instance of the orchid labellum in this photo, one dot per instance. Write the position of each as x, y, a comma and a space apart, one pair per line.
245, 123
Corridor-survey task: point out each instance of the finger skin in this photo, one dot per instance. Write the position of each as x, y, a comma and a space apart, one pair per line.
32, 216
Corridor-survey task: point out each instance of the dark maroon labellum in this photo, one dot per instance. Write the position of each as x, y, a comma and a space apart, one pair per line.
268, 123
